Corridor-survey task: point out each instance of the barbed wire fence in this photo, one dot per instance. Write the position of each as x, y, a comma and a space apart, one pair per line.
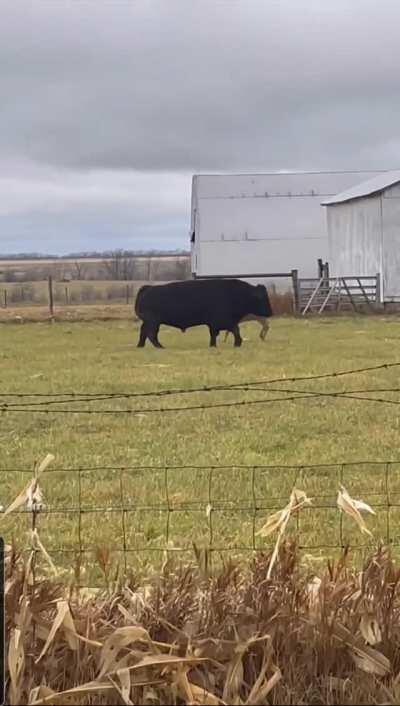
145, 511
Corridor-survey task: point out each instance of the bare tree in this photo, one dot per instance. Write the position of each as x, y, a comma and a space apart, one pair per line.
120, 266
79, 269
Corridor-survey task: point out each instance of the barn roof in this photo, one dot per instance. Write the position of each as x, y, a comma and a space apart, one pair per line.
366, 188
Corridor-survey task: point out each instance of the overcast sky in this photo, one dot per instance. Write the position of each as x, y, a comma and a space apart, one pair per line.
108, 107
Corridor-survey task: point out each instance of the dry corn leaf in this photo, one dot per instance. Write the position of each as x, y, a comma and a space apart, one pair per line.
93, 687
124, 689
235, 671
37, 545
69, 628
16, 663
297, 500
352, 508
34, 497
43, 465
182, 683
371, 661
125, 679
120, 638
40, 692
164, 661
361, 505
259, 695
366, 658
22, 498
370, 630
202, 696
234, 680
62, 612
193, 694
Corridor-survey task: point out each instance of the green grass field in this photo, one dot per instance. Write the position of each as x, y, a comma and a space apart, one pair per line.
102, 357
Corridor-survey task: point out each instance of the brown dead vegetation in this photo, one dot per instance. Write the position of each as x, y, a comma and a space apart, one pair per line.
190, 637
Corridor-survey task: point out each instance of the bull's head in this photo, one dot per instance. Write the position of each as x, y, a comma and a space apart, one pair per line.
261, 301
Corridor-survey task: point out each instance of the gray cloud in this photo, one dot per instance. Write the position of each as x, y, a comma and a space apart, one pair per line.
136, 89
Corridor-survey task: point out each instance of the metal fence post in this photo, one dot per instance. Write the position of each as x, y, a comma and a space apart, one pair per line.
295, 281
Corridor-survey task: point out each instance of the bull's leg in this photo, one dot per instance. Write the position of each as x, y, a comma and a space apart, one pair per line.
226, 335
236, 333
264, 330
213, 336
152, 334
143, 336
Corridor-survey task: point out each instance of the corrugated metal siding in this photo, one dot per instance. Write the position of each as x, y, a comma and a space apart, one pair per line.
354, 237
391, 242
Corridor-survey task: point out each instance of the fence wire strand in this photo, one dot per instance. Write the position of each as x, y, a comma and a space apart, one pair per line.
87, 396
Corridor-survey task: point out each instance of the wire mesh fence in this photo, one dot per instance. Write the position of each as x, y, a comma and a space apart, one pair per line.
107, 519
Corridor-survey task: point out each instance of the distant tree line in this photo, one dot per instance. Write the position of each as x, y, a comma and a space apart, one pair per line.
116, 265
98, 254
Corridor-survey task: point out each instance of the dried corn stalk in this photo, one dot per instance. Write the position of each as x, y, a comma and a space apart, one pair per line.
279, 521
353, 508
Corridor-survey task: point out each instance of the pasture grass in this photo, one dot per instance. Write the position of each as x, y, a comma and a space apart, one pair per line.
174, 506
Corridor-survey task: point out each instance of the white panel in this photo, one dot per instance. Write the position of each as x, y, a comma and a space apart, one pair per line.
260, 218
229, 258
281, 211
354, 237
391, 243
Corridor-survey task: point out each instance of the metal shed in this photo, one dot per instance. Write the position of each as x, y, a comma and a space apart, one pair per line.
262, 223
363, 226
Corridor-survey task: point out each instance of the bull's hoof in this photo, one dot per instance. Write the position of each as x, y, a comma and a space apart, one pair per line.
140, 345
238, 344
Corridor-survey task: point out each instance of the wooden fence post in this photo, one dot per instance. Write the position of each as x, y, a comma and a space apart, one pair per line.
66, 296
296, 293
51, 298
5, 299
127, 293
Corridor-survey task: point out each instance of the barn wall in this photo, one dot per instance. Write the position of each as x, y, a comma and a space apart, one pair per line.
354, 237
391, 242
263, 222
241, 257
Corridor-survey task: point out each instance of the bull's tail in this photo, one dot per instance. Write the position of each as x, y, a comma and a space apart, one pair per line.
139, 298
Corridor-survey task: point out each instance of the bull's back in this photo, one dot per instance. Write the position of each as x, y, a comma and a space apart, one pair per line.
191, 302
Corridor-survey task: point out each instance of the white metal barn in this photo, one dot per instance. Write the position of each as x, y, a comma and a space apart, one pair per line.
363, 225
247, 224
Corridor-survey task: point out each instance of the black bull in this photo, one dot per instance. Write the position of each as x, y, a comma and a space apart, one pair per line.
216, 303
